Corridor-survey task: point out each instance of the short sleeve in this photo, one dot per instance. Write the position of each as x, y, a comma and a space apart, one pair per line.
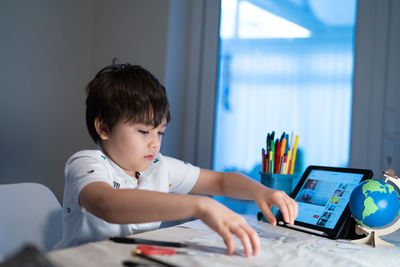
82, 169
182, 176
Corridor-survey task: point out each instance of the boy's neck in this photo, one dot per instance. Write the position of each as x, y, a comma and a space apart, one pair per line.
134, 174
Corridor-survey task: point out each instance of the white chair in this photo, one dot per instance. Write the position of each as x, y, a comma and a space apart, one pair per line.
29, 213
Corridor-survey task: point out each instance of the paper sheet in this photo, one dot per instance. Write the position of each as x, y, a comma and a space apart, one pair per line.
209, 236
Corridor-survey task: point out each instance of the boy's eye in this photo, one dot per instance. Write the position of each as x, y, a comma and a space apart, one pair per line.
143, 132
161, 133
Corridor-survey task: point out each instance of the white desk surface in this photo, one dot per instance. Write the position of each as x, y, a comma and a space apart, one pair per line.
279, 247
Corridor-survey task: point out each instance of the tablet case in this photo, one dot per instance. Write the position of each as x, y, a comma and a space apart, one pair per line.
347, 228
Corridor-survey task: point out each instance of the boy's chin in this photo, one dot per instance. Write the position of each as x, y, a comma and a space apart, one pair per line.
143, 168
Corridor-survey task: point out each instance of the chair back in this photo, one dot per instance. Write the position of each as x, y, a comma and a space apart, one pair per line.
29, 213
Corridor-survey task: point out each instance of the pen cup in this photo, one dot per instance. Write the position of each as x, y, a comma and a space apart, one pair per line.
282, 182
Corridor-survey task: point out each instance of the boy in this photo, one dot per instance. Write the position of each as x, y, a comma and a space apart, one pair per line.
127, 186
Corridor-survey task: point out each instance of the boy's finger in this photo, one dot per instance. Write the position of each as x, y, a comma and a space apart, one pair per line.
254, 238
293, 210
244, 238
228, 240
284, 209
265, 209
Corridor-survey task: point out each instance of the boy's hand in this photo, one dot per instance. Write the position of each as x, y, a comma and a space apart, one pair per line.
227, 223
267, 197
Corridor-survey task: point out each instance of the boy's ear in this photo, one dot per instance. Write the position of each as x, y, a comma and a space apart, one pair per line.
101, 129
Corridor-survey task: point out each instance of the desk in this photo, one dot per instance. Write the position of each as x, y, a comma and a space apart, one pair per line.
279, 247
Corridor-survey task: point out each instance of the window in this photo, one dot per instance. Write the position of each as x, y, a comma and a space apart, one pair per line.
283, 66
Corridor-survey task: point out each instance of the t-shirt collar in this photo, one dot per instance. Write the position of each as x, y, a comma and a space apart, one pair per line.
120, 172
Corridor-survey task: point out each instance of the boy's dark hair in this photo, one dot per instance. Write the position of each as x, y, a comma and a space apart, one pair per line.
128, 92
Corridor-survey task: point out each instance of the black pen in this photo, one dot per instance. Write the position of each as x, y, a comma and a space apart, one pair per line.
131, 240
138, 253
134, 264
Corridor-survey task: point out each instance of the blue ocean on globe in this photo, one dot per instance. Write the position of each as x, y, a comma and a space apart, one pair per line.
374, 203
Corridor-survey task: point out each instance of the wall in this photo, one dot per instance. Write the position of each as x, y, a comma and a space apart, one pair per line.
391, 133
132, 31
45, 52
49, 50
375, 132
175, 76
138, 32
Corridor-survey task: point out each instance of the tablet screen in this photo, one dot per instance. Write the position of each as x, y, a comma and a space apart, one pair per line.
324, 196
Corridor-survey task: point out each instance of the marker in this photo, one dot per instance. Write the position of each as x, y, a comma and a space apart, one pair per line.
287, 144
277, 156
283, 146
294, 154
291, 142
289, 157
273, 154
284, 160
263, 160
291, 154
282, 137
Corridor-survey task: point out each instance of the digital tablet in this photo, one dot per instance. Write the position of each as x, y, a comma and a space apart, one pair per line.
323, 195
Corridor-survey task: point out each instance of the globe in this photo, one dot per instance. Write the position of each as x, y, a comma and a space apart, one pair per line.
374, 203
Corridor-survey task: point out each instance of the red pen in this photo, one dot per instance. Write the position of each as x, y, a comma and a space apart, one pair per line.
145, 251
153, 250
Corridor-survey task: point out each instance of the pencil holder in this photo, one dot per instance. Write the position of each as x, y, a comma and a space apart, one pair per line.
282, 182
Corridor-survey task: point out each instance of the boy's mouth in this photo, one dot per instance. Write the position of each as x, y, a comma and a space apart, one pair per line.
149, 157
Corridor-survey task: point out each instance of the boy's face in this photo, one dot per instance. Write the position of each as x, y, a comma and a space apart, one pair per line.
133, 146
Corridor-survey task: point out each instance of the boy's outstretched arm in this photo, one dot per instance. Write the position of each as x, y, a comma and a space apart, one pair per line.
237, 185
124, 206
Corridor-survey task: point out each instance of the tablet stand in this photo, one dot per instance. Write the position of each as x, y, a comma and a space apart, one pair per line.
373, 235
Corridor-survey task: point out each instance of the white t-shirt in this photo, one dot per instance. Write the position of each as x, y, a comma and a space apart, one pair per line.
165, 174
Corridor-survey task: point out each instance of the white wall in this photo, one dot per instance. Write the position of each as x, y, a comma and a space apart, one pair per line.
391, 134
49, 51
375, 133
134, 31
138, 32
176, 76
45, 52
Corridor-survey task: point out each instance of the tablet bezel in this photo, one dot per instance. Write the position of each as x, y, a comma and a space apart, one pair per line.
327, 232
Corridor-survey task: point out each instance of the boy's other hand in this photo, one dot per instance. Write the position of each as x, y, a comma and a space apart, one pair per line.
267, 197
228, 223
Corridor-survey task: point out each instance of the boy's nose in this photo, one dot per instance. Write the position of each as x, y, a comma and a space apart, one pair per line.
154, 143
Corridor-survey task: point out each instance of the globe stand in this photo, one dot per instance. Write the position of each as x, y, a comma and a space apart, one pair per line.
373, 235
